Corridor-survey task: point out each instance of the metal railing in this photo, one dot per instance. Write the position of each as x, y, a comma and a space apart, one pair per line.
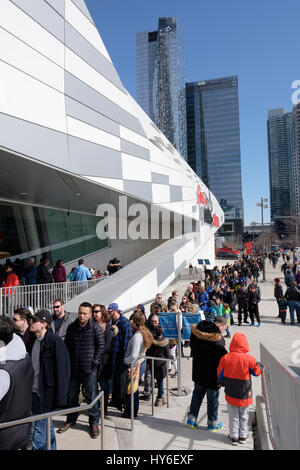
281, 391
48, 416
152, 379
41, 296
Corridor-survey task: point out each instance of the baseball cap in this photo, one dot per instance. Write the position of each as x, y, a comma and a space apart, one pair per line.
30, 309
43, 315
114, 306
220, 320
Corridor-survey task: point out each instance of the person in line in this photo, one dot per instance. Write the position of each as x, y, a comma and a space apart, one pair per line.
44, 275
206, 342
234, 372
254, 299
282, 305
16, 379
86, 345
101, 316
292, 295
153, 307
147, 377
160, 349
278, 292
141, 340
51, 364
242, 299
81, 273
21, 319
61, 319
30, 272
122, 335
59, 272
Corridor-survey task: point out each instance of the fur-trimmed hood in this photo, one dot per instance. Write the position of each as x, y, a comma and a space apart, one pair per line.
162, 343
147, 336
207, 331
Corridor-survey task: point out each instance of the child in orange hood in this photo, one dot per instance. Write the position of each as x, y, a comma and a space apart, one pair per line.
234, 372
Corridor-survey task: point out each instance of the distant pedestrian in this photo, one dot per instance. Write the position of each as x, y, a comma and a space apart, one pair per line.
292, 295
234, 372
81, 273
253, 301
278, 292
282, 304
44, 275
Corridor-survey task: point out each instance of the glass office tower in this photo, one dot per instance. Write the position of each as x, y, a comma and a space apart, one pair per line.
281, 171
161, 80
213, 141
296, 160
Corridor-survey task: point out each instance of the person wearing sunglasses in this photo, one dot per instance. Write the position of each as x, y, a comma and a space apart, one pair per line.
61, 319
101, 316
21, 319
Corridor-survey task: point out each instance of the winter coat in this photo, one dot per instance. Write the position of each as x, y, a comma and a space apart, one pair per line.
202, 298
292, 293
159, 348
253, 297
86, 346
235, 370
54, 375
289, 277
106, 372
59, 274
62, 330
44, 275
278, 291
121, 340
30, 274
207, 348
81, 273
242, 296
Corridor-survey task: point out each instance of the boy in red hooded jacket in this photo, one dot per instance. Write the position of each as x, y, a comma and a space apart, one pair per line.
234, 372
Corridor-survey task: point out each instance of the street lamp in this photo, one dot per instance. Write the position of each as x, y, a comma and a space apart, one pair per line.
263, 206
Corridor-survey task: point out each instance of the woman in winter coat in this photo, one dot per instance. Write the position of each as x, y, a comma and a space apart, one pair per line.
140, 341
159, 348
59, 272
100, 315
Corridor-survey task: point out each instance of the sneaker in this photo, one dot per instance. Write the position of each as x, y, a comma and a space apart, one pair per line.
234, 440
164, 399
158, 402
212, 428
192, 424
246, 321
242, 440
227, 336
258, 324
252, 324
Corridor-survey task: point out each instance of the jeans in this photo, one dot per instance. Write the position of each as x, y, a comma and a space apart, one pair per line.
294, 305
212, 403
148, 384
160, 386
90, 389
38, 432
142, 369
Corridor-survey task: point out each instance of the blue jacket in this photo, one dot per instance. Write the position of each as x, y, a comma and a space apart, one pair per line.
121, 340
202, 298
81, 273
30, 274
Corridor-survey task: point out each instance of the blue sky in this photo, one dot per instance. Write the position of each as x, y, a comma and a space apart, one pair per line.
257, 40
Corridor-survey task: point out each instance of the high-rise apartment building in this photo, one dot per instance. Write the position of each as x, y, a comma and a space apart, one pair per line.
296, 158
161, 80
213, 141
281, 167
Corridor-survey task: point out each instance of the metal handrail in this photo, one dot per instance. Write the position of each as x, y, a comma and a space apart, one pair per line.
165, 359
41, 295
49, 415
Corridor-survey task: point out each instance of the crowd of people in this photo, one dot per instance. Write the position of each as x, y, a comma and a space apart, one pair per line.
64, 360
18, 272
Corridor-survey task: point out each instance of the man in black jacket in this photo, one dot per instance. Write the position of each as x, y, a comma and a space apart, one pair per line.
207, 348
51, 365
86, 344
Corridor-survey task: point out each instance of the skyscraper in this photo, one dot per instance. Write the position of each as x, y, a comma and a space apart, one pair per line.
213, 140
161, 80
296, 159
281, 169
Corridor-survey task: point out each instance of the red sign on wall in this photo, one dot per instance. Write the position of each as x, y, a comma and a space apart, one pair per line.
201, 199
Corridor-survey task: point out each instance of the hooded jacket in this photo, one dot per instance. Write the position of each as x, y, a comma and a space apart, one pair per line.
207, 348
235, 370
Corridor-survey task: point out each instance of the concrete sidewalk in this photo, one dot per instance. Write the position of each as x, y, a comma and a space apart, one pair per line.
167, 430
